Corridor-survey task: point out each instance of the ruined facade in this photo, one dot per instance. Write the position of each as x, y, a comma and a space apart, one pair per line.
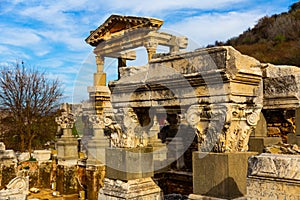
179, 124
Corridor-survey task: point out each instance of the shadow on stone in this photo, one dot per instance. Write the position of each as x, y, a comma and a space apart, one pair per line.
227, 187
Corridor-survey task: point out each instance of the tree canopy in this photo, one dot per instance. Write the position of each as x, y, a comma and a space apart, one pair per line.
28, 101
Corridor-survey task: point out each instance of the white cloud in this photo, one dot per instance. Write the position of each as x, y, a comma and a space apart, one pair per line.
206, 29
157, 6
18, 36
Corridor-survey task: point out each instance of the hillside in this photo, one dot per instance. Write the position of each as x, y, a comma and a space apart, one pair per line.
274, 39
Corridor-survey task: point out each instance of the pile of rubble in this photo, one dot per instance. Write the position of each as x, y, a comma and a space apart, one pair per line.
282, 148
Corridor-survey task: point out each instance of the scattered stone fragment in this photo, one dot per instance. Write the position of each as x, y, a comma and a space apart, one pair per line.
283, 149
34, 190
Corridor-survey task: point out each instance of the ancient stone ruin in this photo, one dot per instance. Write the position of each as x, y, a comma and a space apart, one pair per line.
184, 124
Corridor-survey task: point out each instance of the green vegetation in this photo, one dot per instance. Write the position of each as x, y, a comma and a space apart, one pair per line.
274, 39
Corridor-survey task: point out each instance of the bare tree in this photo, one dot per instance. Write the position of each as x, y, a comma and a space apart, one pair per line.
29, 98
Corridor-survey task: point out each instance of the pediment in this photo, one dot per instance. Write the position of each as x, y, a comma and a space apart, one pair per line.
117, 24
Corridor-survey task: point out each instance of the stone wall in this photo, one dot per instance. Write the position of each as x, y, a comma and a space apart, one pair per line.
280, 123
273, 176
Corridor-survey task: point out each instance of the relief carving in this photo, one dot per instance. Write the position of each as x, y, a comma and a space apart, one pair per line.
223, 129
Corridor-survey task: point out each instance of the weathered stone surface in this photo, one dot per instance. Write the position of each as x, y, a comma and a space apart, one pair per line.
281, 86
258, 144
94, 180
281, 148
2, 146
143, 188
275, 166
23, 156
67, 144
221, 175
16, 189
41, 155
66, 179
8, 156
273, 177
67, 148
128, 164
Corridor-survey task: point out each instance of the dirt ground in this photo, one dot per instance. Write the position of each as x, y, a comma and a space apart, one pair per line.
46, 194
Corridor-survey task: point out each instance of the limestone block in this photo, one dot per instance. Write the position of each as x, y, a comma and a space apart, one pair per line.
257, 144
23, 156
67, 148
281, 86
144, 188
273, 176
41, 155
220, 175
275, 166
128, 164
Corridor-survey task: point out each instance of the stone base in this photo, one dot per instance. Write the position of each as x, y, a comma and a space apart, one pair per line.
144, 188
96, 151
257, 144
220, 175
67, 148
128, 164
66, 182
94, 180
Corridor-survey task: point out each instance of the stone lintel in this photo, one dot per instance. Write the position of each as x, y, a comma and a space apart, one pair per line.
128, 55
138, 38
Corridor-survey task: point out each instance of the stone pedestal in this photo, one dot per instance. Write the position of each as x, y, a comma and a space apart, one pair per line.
96, 148
67, 148
96, 151
219, 175
66, 182
129, 175
128, 164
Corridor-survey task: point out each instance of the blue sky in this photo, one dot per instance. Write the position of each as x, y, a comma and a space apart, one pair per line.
50, 34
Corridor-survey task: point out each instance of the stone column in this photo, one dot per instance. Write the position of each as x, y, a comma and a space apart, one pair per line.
151, 49
159, 148
67, 144
99, 76
67, 153
98, 143
121, 63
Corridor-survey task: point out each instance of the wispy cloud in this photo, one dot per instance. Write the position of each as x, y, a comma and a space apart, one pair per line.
51, 34
207, 28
